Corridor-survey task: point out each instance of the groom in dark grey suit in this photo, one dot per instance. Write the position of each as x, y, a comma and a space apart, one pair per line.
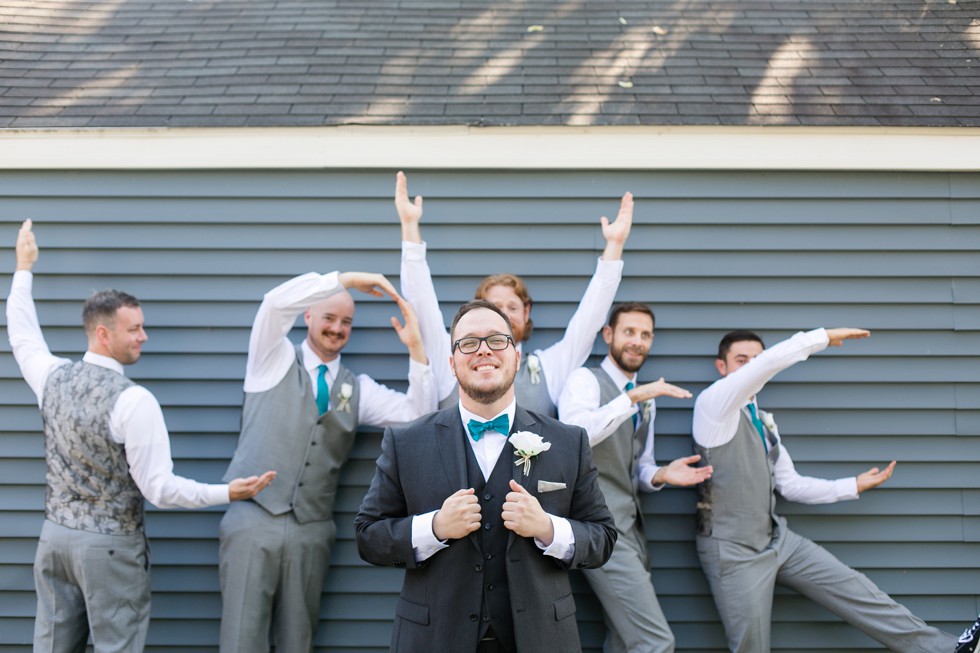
486, 540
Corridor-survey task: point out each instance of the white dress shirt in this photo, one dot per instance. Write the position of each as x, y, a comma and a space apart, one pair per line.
271, 353
557, 361
717, 410
579, 405
135, 420
487, 451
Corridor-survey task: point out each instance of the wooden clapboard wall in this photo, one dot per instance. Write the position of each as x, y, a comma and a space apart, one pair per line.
710, 251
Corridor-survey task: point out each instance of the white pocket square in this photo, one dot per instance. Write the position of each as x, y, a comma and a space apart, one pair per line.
548, 486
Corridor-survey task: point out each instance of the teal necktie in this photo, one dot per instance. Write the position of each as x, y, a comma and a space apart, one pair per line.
758, 426
500, 424
322, 390
636, 416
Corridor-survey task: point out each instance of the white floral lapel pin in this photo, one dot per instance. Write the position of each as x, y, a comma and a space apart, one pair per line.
346, 392
534, 367
527, 445
769, 421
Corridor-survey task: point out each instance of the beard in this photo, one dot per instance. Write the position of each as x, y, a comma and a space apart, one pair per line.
487, 394
618, 355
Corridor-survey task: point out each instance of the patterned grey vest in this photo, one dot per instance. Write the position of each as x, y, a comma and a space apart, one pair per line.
738, 503
616, 458
282, 431
88, 483
531, 393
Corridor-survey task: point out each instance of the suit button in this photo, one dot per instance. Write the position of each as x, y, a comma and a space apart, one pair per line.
583, 565
486, 618
478, 568
473, 616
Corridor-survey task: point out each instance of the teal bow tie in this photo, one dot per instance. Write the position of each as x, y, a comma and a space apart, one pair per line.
501, 425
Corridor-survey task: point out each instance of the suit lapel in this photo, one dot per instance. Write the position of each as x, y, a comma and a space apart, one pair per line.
523, 421
450, 445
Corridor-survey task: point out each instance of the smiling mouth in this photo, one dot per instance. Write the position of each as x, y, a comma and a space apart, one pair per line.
484, 368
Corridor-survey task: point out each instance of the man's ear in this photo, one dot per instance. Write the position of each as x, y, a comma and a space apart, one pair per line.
452, 365
607, 334
306, 318
721, 367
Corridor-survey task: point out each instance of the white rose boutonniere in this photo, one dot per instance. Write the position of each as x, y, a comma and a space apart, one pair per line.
769, 421
534, 367
346, 392
527, 445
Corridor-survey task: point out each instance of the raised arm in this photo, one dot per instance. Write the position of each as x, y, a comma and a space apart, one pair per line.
418, 289
23, 328
561, 358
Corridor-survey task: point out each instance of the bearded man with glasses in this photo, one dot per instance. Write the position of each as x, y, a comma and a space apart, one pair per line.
486, 541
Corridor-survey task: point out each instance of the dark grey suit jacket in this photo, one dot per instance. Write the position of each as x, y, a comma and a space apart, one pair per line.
424, 462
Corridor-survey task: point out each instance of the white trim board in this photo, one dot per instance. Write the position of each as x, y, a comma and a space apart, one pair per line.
527, 148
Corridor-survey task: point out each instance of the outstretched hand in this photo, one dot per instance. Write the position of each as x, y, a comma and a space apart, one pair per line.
369, 283
246, 488
617, 232
839, 335
409, 212
26, 248
658, 388
410, 334
682, 472
874, 477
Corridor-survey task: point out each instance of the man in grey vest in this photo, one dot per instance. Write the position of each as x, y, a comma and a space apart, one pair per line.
744, 546
106, 448
542, 373
485, 541
618, 416
301, 412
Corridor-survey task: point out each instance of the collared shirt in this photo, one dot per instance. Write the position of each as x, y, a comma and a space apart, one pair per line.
579, 405
557, 361
487, 451
717, 412
135, 421
271, 353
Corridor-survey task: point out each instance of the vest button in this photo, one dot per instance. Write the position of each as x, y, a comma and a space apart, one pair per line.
486, 527
487, 497
486, 618
300, 484
313, 444
489, 556
473, 616
478, 568
490, 587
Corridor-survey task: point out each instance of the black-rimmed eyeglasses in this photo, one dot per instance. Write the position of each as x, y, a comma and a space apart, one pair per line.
496, 342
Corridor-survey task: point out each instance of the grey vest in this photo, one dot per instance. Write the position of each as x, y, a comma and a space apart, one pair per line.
88, 483
530, 395
738, 503
616, 458
282, 431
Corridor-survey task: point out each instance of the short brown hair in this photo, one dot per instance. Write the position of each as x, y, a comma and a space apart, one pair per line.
101, 307
511, 281
472, 306
730, 338
630, 307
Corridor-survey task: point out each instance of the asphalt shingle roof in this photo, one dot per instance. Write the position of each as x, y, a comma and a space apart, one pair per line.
149, 63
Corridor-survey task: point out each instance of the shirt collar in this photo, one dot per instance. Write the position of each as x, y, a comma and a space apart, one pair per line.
311, 361
510, 411
104, 361
616, 374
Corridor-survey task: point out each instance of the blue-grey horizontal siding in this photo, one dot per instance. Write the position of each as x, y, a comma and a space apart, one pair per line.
898, 253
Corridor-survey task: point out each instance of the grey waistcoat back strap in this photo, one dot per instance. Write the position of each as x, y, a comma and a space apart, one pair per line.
616, 458
88, 483
739, 502
282, 431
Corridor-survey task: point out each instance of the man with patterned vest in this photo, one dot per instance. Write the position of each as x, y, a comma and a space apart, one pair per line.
301, 412
106, 448
542, 374
618, 415
744, 546
486, 541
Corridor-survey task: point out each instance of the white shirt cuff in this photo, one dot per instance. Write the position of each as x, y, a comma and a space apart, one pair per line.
424, 542
563, 545
413, 251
